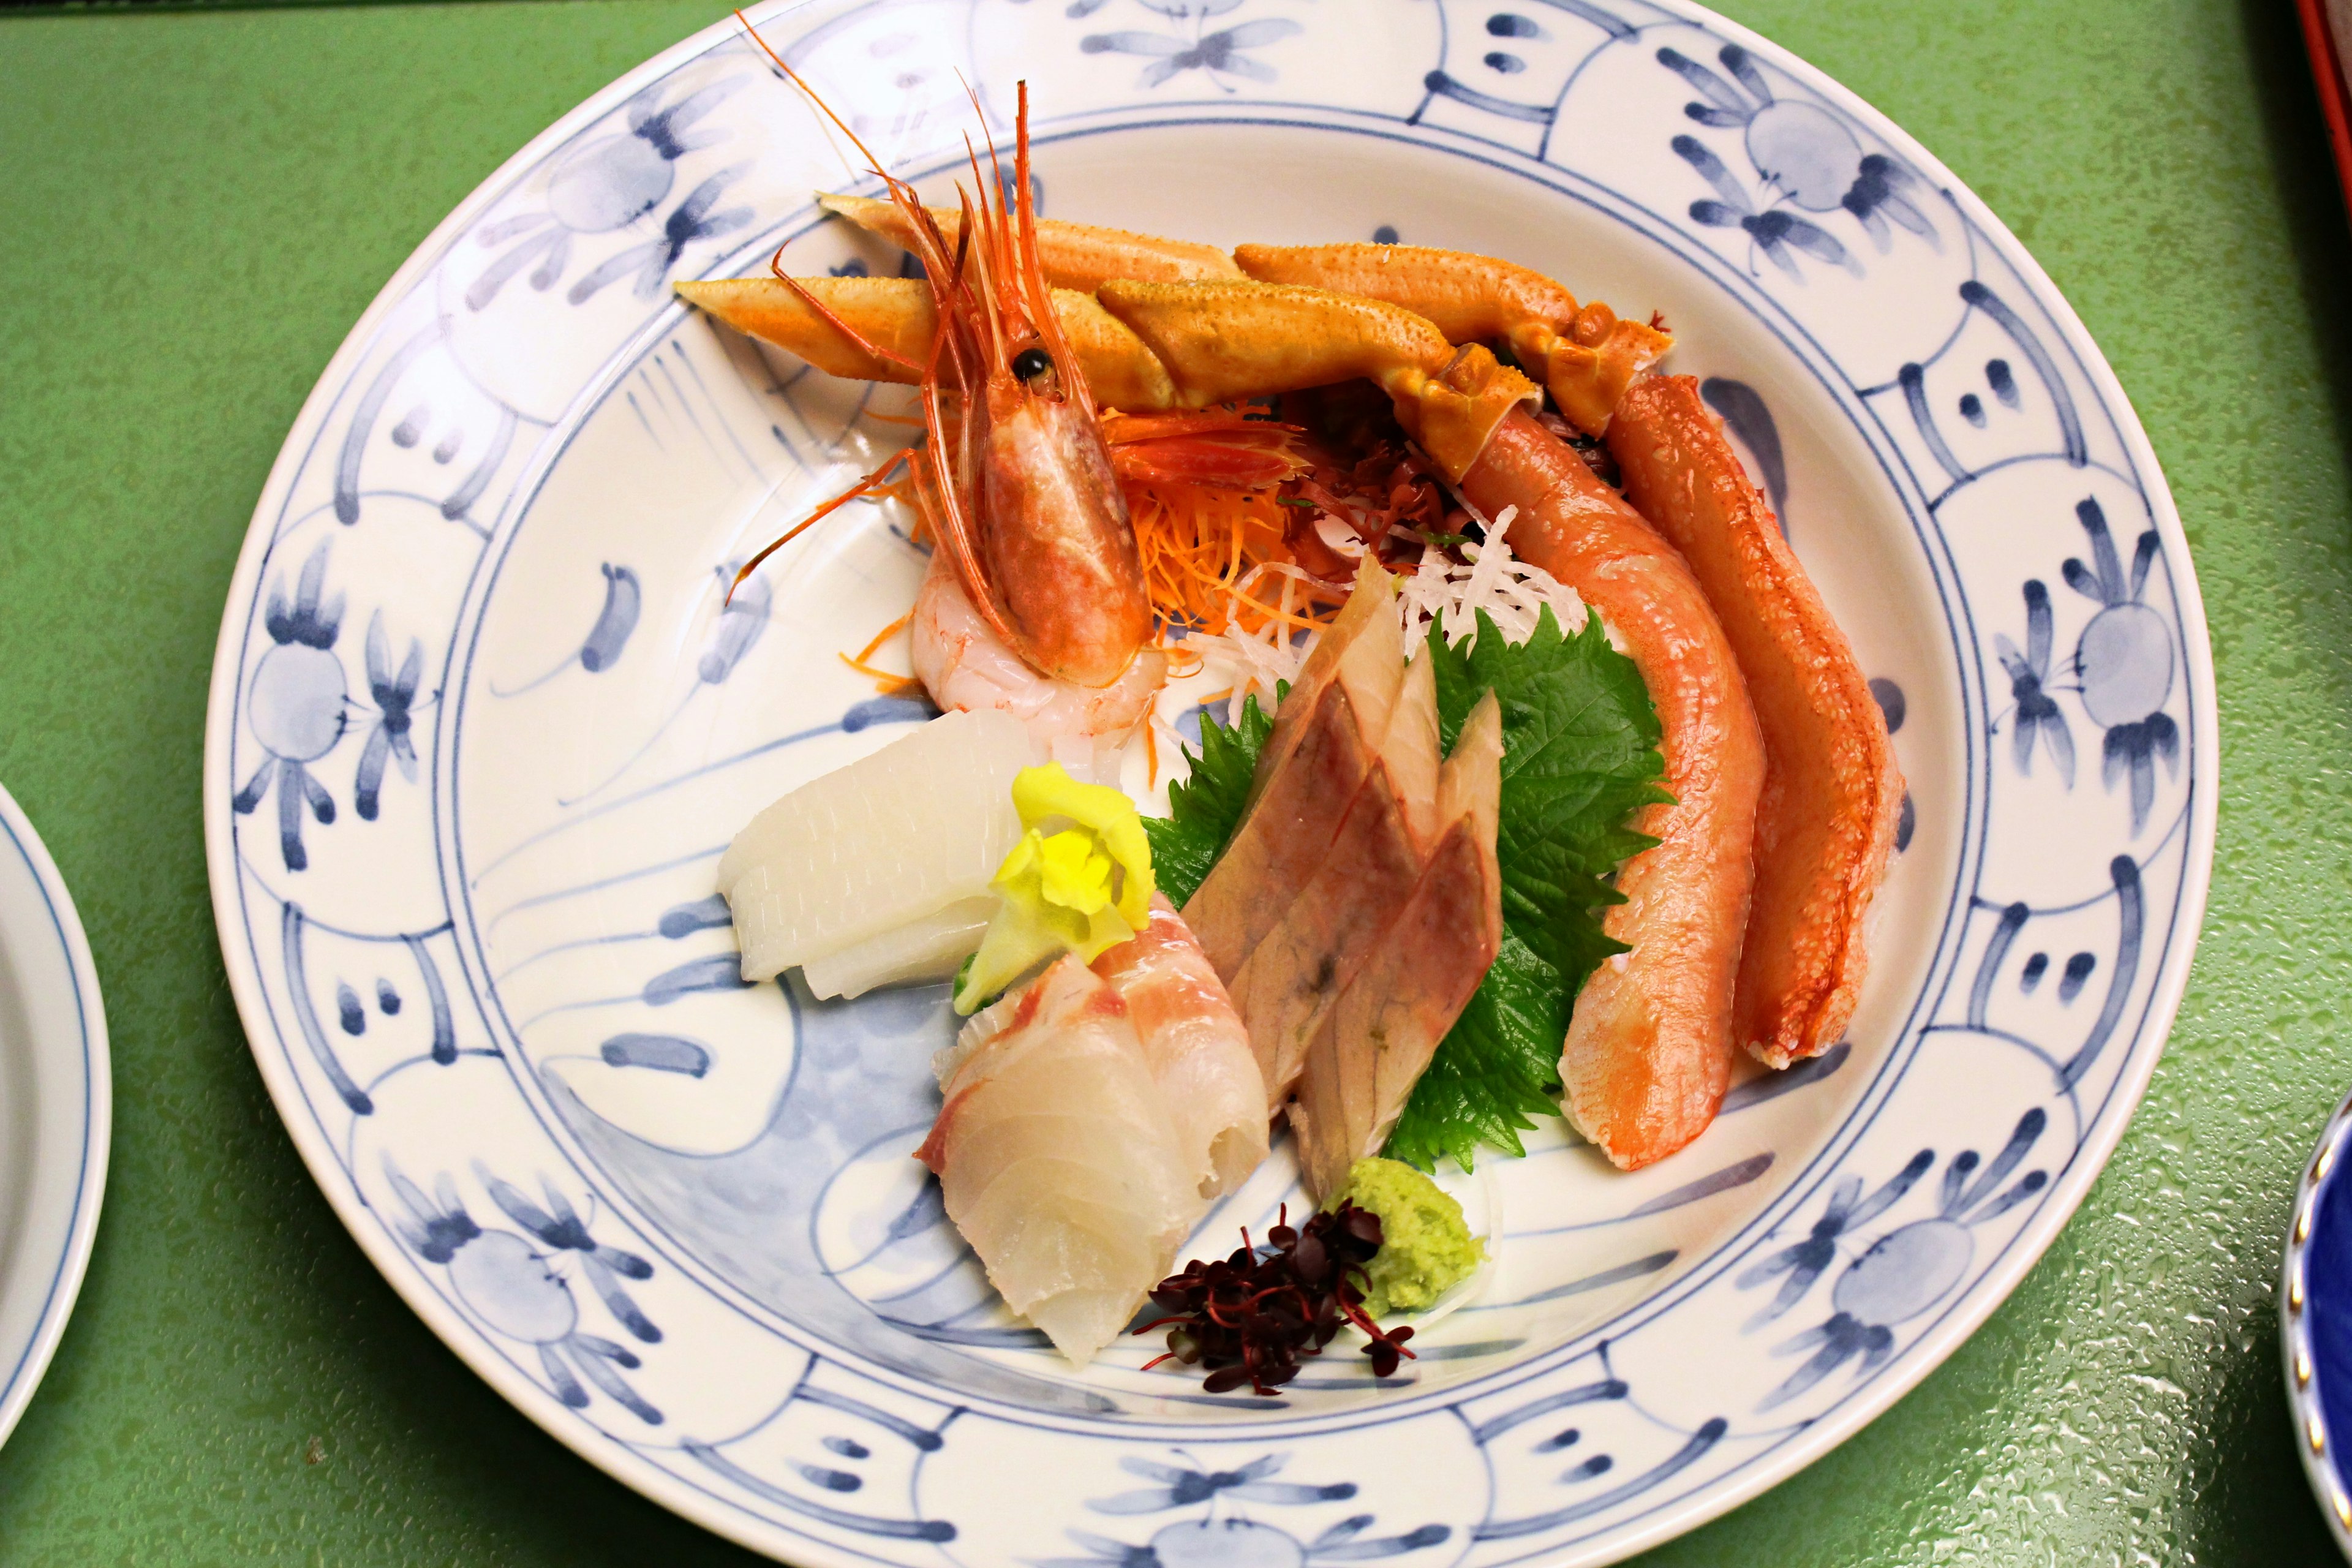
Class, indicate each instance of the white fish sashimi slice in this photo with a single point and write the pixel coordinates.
(931, 948)
(1056, 1160)
(1200, 1053)
(921, 824)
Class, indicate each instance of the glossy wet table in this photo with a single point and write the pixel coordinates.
(196, 205)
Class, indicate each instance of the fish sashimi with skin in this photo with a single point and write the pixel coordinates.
(1379, 1035)
(1408, 749)
(1283, 840)
(1374, 594)
(1329, 727)
(1293, 976)
(1649, 1048)
(1057, 1160)
(1199, 1052)
(1832, 795)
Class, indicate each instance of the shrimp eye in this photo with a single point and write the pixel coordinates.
(1030, 363)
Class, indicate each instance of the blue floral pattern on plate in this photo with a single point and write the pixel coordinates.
(484, 716)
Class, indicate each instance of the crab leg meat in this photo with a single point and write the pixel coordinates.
(1825, 824)
(1584, 353)
(1074, 255)
(1649, 1049)
(1165, 346)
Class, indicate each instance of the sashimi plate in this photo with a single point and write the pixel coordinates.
(480, 726)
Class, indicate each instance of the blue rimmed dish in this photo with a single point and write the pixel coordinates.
(482, 720)
(55, 1108)
(2315, 1325)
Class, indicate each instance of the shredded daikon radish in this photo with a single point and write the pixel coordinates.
(1258, 660)
(1247, 660)
(1449, 595)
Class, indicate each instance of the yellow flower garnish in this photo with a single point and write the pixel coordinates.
(1079, 881)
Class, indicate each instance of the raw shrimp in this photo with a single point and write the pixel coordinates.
(964, 664)
(1648, 1047)
(1012, 477)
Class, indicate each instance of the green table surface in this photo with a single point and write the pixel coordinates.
(196, 205)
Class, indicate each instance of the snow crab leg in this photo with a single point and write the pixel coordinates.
(1585, 354)
(1151, 347)
(1648, 1047)
(1825, 824)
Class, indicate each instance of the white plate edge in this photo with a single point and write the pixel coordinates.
(97, 1121)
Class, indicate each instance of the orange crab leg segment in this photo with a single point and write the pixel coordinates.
(1074, 255)
(1649, 1048)
(1832, 795)
(1584, 354)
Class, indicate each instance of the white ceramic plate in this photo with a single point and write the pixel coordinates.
(479, 729)
(56, 1104)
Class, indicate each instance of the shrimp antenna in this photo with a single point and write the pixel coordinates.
(862, 487)
(798, 81)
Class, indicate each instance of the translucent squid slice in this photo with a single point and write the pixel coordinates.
(930, 949)
(891, 839)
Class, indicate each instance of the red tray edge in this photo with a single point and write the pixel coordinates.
(2335, 98)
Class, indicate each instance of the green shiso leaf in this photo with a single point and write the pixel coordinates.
(1579, 758)
(1203, 812)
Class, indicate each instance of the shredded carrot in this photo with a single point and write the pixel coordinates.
(884, 635)
(1204, 555)
(888, 684)
(884, 681)
(1201, 487)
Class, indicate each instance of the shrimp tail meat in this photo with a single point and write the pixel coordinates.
(966, 666)
(1649, 1048)
(1825, 823)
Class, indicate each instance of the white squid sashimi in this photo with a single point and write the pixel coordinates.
(930, 949)
(891, 839)
(1057, 1159)
(1200, 1053)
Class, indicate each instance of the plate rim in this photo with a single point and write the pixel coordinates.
(1671, 1516)
(23, 1379)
